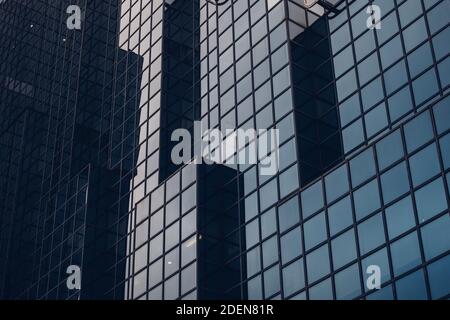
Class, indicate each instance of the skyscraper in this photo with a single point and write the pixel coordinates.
(357, 89)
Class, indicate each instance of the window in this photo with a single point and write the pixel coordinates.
(400, 217)
(268, 223)
(271, 281)
(362, 167)
(441, 115)
(353, 136)
(371, 234)
(418, 131)
(405, 253)
(293, 278)
(340, 215)
(349, 110)
(367, 199)
(412, 287)
(321, 291)
(382, 294)
(270, 251)
(376, 120)
(343, 249)
(379, 258)
(288, 180)
(436, 237)
(268, 194)
(318, 264)
(188, 279)
(424, 165)
(400, 104)
(336, 183)
(253, 262)
(445, 150)
(312, 199)
(420, 59)
(389, 150)
(394, 183)
(425, 86)
(315, 231)
(254, 288)
(395, 77)
(431, 200)
(288, 214)
(291, 245)
(438, 277)
(348, 284)
(252, 233)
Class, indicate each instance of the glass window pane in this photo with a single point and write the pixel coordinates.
(418, 131)
(424, 165)
(348, 284)
(321, 291)
(405, 253)
(343, 249)
(379, 259)
(400, 217)
(293, 278)
(270, 251)
(431, 200)
(376, 120)
(340, 215)
(400, 104)
(389, 150)
(367, 199)
(315, 231)
(268, 223)
(353, 136)
(362, 167)
(425, 86)
(318, 264)
(395, 183)
(438, 277)
(272, 281)
(336, 183)
(371, 234)
(412, 287)
(441, 115)
(288, 214)
(445, 150)
(382, 294)
(436, 237)
(291, 245)
(253, 262)
(312, 199)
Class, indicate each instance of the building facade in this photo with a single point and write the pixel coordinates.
(359, 94)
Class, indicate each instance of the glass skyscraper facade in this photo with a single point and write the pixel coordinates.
(86, 171)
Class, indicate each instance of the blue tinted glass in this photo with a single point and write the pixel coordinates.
(389, 150)
(340, 38)
(318, 263)
(340, 215)
(272, 281)
(408, 11)
(293, 278)
(315, 231)
(349, 110)
(425, 86)
(418, 131)
(291, 245)
(388, 29)
(376, 120)
(348, 285)
(438, 17)
(268, 194)
(405, 253)
(415, 34)
(343, 249)
(251, 206)
(252, 233)
(441, 115)
(346, 85)
(312, 199)
(343, 61)
(288, 181)
(391, 52)
(253, 262)
(395, 77)
(424, 165)
(382, 294)
(420, 59)
(367, 199)
(288, 214)
(443, 67)
(336, 183)
(368, 69)
(372, 93)
(270, 251)
(400, 217)
(395, 182)
(445, 150)
(353, 136)
(431, 200)
(436, 237)
(371, 234)
(362, 167)
(412, 287)
(268, 223)
(400, 104)
(364, 45)
(255, 288)
(379, 259)
(438, 277)
(321, 291)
